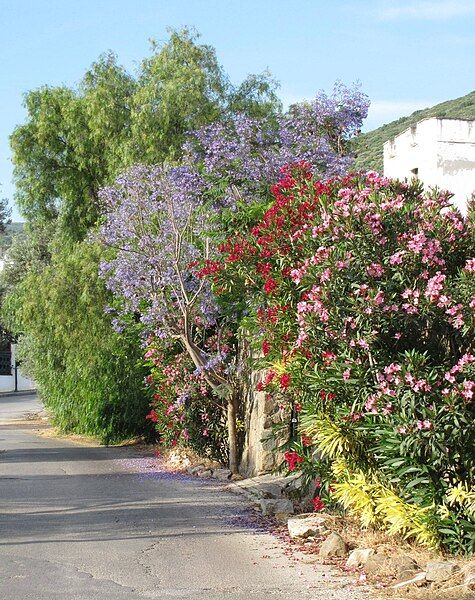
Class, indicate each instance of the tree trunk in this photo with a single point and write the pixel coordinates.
(232, 434)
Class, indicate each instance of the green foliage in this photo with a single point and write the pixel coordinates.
(70, 146)
(87, 375)
(181, 87)
(30, 250)
(368, 147)
(73, 143)
(6, 238)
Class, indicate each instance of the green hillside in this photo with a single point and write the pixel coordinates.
(369, 146)
(6, 238)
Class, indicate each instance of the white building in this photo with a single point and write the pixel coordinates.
(11, 377)
(440, 152)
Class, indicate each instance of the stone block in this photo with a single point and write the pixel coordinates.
(334, 545)
(272, 506)
(222, 474)
(307, 525)
(378, 563)
(404, 566)
(469, 581)
(418, 580)
(440, 570)
(359, 557)
(205, 474)
(196, 469)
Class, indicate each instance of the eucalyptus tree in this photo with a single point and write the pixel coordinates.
(76, 140)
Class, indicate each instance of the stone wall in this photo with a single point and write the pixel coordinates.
(260, 454)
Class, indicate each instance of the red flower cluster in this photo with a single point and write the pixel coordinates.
(293, 459)
(284, 381)
(153, 416)
(326, 395)
(211, 268)
(318, 504)
(270, 285)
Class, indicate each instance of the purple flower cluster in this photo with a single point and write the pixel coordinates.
(247, 154)
(155, 223)
(158, 218)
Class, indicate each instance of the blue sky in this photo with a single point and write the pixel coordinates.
(407, 54)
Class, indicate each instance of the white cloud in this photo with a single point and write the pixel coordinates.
(427, 9)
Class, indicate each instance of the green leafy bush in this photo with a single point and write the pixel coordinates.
(88, 376)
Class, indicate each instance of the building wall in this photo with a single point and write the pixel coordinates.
(7, 382)
(443, 153)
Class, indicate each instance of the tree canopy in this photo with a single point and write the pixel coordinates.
(76, 140)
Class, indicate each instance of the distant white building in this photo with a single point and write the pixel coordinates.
(439, 152)
(11, 377)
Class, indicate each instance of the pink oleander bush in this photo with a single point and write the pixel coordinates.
(361, 293)
(183, 409)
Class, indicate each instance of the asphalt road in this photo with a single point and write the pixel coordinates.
(17, 407)
(84, 523)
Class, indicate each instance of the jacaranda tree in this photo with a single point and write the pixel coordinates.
(164, 221)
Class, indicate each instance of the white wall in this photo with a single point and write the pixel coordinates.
(7, 382)
(443, 151)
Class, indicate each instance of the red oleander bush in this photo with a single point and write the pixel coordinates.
(361, 292)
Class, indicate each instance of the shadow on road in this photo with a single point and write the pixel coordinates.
(61, 454)
(78, 508)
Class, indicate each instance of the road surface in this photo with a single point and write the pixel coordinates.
(84, 523)
(19, 406)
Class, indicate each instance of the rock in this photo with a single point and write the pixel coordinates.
(295, 484)
(273, 506)
(268, 423)
(282, 517)
(469, 581)
(196, 469)
(404, 566)
(334, 545)
(268, 462)
(269, 490)
(179, 460)
(205, 474)
(236, 477)
(306, 525)
(359, 557)
(222, 474)
(377, 563)
(440, 570)
(418, 579)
